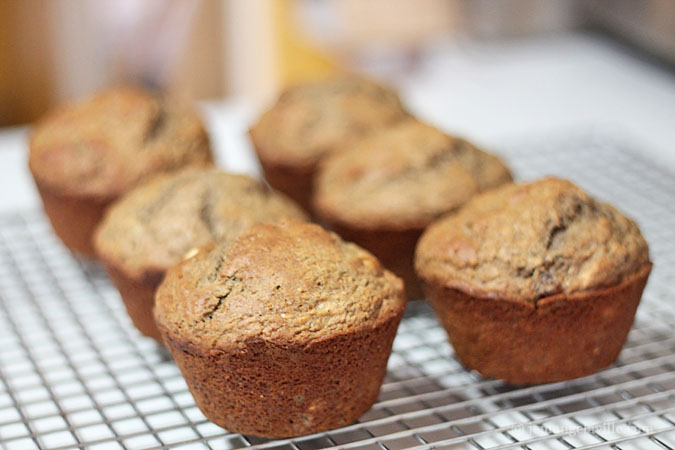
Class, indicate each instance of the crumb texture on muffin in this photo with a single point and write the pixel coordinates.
(102, 146)
(404, 176)
(289, 283)
(529, 241)
(152, 227)
(311, 119)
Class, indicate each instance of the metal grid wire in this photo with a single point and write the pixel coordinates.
(74, 373)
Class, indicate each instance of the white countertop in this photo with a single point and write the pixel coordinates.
(493, 93)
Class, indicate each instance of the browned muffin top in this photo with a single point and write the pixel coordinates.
(102, 146)
(312, 119)
(529, 241)
(404, 176)
(289, 283)
(153, 226)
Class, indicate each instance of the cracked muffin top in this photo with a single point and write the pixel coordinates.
(102, 146)
(529, 241)
(285, 283)
(152, 227)
(402, 177)
(313, 119)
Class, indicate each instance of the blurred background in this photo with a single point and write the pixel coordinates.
(54, 51)
(499, 72)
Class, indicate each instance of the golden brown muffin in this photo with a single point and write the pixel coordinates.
(85, 155)
(152, 228)
(535, 282)
(284, 332)
(311, 120)
(382, 191)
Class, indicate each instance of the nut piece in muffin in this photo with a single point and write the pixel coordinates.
(313, 119)
(535, 282)
(85, 155)
(284, 332)
(153, 227)
(382, 191)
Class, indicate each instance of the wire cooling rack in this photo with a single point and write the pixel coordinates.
(74, 373)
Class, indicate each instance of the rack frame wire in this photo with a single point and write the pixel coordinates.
(75, 374)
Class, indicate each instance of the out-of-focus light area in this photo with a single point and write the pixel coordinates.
(486, 69)
(53, 51)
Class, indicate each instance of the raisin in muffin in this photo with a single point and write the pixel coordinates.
(284, 332)
(313, 119)
(153, 227)
(382, 191)
(85, 155)
(535, 282)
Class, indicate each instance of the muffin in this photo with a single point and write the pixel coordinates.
(153, 227)
(382, 191)
(536, 282)
(85, 155)
(311, 120)
(284, 332)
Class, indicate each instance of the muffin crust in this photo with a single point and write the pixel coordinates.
(284, 332)
(535, 283)
(156, 224)
(403, 177)
(286, 283)
(382, 191)
(314, 119)
(530, 241)
(85, 155)
(104, 145)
